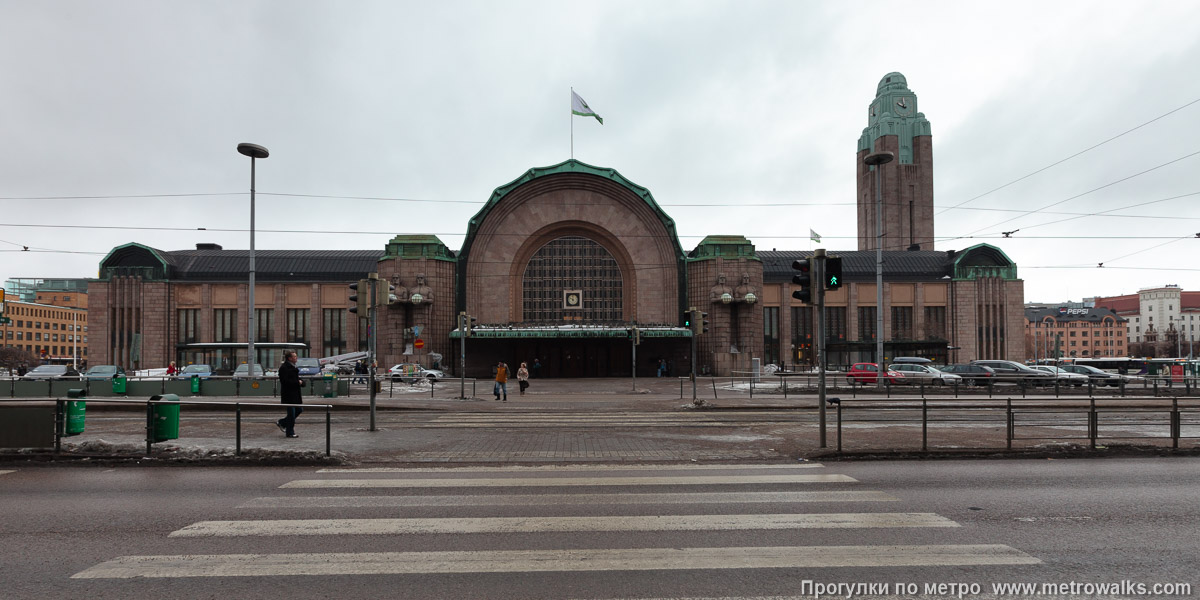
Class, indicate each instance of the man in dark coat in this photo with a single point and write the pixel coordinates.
(289, 393)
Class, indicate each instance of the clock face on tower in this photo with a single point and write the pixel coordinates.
(906, 106)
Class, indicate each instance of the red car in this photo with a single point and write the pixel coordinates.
(865, 373)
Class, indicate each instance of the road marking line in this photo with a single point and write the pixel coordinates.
(566, 481)
(281, 527)
(515, 561)
(6, 472)
(588, 468)
(563, 499)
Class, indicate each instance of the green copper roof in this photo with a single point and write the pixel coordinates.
(417, 246)
(134, 258)
(894, 112)
(984, 260)
(723, 246)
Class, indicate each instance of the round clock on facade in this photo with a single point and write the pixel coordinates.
(572, 298)
(906, 106)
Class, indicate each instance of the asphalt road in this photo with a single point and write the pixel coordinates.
(596, 531)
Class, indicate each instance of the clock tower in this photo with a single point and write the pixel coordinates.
(894, 125)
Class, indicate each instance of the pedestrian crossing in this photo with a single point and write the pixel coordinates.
(614, 518)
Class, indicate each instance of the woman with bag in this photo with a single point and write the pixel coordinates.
(523, 378)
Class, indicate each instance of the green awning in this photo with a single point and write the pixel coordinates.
(572, 332)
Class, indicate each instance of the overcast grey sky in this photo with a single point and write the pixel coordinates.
(729, 104)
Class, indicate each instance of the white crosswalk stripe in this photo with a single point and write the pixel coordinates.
(6, 472)
(544, 524)
(566, 499)
(405, 489)
(509, 561)
(565, 481)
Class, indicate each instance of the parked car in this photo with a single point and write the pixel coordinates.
(917, 374)
(102, 372)
(1099, 377)
(411, 373)
(866, 373)
(1015, 372)
(308, 367)
(1064, 377)
(243, 370)
(971, 374)
(51, 372)
(201, 371)
(911, 360)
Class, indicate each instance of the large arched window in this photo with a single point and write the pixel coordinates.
(572, 279)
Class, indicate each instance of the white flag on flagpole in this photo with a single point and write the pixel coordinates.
(581, 108)
(814, 236)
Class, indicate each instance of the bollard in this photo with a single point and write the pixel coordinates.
(839, 427)
(1010, 429)
(238, 412)
(924, 425)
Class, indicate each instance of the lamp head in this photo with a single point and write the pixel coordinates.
(879, 158)
(253, 150)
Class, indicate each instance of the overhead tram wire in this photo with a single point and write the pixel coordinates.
(1103, 213)
(1082, 194)
(1054, 164)
(502, 234)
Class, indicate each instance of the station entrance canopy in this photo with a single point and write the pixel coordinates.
(571, 332)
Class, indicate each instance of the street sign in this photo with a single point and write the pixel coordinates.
(416, 331)
(5, 320)
(419, 343)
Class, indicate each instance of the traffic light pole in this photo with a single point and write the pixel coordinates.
(462, 355)
(371, 343)
(633, 339)
(822, 362)
(692, 316)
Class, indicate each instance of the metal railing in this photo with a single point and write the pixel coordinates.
(19, 387)
(838, 382)
(60, 418)
(1092, 420)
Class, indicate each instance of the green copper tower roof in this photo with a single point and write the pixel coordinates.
(894, 112)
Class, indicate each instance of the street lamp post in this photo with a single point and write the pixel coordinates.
(254, 151)
(877, 160)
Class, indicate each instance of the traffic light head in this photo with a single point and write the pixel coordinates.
(383, 293)
(703, 319)
(833, 272)
(360, 296)
(803, 278)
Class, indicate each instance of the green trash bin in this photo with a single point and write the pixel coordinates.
(330, 381)
(76, 410)
(165, 418)
(195, 384)
(118, 383)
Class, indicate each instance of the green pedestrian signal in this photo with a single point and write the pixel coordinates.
(833, 272)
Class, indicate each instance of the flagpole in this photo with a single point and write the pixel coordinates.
(571, 115)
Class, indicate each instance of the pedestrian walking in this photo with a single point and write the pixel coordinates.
(289, 393)
(537, 369)
(501, 381)
(360, 369)
(523, 378)
(662, 367)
